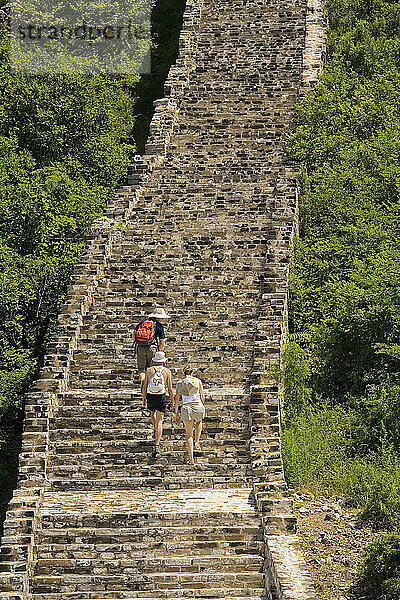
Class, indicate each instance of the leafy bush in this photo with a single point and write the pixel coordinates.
(62, 154)
(295, 377)
(379, 574)
(63, 150)
(319, 455)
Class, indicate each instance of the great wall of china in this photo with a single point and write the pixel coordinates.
(204, 227)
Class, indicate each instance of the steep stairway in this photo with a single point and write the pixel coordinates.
(113, 522)
(119, 524)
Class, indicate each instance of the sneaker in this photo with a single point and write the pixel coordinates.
(156, 452)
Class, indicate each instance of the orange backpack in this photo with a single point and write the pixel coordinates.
(145, 332)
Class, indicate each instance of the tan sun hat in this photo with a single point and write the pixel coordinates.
(159, 313)
(159, 357)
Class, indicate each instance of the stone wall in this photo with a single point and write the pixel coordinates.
(285, 564)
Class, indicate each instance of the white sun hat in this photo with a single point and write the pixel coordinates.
(159, 357)
(159, 313)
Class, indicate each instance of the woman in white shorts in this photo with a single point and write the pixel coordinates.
(191, 390)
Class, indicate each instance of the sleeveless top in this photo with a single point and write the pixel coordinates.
(189, 389)
(156, 384)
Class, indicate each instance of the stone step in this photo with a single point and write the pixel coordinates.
(132, 409)
(149, 548)
(80, 471)
(223, 394)
(121, 458)
(231, 374)
(171, 449)
(161, 483)
(231, 435)
(144, 519)
(198, 593)
(103, 358)
(243, 530)
(248, 582)
(178, 566)
(126, 422)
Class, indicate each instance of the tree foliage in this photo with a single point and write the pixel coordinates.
(342, 428)
(63, 151)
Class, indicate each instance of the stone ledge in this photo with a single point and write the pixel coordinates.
(291, 580)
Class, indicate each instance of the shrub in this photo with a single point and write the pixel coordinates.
(295, 378)
(379, 573)
(319, 455)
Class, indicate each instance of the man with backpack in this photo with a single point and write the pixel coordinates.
(149, 337)
(157, 382)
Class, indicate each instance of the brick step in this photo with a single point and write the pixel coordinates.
(150, 549)
(150, 582)
(148, 274)
(222, 367)
(120, 360)
(132, 298)
(178, 335)
(146, 518)
(222, 394)
(126, 421)
(101, 457)
(145, 435)
(226, 375)
(116, 322)
(199, 593)
(110, 370)
(162, 483)
(185, 255)
(80, 471)
(117, 296)
(124, 310)
(163, 531)
(225, 338)
(127, 263)
(169, 565)
(129, 448)
(133, 409)
(125, 418)
(130, 404)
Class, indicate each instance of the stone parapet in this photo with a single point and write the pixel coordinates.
(314, 45)
(166, 113)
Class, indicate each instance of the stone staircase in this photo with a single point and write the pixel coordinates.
(116, 523)
(204, 229)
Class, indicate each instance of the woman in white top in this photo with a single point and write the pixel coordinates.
(191, 390)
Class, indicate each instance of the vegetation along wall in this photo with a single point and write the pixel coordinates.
(342, 388)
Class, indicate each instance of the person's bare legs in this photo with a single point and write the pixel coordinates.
(189, 439)
(153, 421)
(158, 426)
(198, 426)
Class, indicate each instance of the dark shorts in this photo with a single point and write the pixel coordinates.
(157, 402)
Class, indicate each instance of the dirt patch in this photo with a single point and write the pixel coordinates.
(332, 540)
